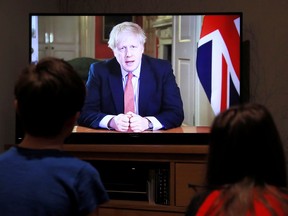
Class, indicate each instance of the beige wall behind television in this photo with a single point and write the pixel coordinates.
(265, 25)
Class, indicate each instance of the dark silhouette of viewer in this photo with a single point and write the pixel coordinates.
(246, 173)
(37, 176)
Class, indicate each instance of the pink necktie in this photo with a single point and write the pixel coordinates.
(129, 95)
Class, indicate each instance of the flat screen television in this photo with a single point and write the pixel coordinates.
(205, 50)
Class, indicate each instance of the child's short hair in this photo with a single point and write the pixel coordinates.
(47, 94)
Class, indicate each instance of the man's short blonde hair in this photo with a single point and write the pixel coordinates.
(128, 27)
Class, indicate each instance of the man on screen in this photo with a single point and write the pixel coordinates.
(156, 101)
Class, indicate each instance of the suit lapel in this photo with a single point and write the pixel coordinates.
(115, 81)
(146, 77)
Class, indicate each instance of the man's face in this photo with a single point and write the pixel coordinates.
(128, 51)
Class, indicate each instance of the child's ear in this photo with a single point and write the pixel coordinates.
(16, 105)
(70, 123)
(73, 119)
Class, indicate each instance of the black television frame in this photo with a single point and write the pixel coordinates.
(152, 137)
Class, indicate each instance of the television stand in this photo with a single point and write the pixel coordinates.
(147, 167)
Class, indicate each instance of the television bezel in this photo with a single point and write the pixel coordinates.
(197, 138)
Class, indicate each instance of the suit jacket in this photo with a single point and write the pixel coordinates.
(159, 95)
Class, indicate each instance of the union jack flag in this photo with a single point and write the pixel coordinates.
(218, 60)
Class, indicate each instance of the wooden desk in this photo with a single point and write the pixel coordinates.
(183, 129)
(186, 163)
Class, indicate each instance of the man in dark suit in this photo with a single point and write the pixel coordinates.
(157, 99)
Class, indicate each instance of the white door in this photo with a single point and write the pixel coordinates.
(59, 36)
(186, 33)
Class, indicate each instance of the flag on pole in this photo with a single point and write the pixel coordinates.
(218, 60)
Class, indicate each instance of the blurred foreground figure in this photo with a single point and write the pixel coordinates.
(37, 177)
(246, 172)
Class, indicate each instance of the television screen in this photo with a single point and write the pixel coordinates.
(204, 50)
